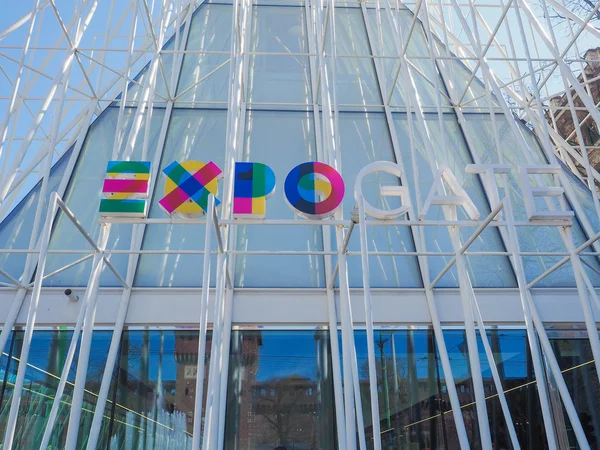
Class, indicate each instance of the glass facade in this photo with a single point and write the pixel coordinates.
(283, 126)
(282, 83)
(280, 389)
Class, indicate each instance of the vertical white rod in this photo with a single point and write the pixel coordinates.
(465, 285)
(64, 375)
(91, 299)
(228, 314)
(197, 429)
(584, 298)
(11, 318)
(366, 275)
(540, 375)
(17, 82)
(514, 440)
(133, 259)
(12, 172)
(214, 380)
(31, 316)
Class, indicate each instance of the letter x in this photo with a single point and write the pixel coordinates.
(191, 186)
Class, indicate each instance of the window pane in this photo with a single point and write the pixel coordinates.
(280, 391)
(414, 406)
(532, 239)
(192, 135)
(205, 76)
(574, 355)
(276, 78)
(420, 167)
(45, 364)
(365, 138)
(356, 81)
(17, 228)
(282, 141)
(87, 177)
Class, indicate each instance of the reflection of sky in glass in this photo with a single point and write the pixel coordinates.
(512, 355)
(287, 353)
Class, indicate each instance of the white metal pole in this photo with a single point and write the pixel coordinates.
(465, 287)
(197, 428)
(31, 317)
(91, 298)
(366, 276)
(584, 297)
(228, 315)
(137, 239)
(514, 440)
(64, 375)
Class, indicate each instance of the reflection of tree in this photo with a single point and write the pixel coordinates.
(281, 405)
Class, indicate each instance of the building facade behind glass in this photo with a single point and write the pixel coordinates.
(463, 330)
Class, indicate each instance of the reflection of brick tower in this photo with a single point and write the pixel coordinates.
(244, 379)
(186, 356)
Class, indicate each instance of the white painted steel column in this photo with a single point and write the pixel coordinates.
(31, 317)
(214, 432)
(228, 315)
(46, 104)
(324, 138)
(514, 440)
(137, 239)
(584, 297)
(466, 291)
(203, 323)
(213, 391)
(64, 374)
(91, 298)
(532, 337)
(352, 398)
(366, 276)
(17, 82)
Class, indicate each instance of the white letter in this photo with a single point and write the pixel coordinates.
(398, 191)
(529, 192)
(488, 178)
(460, 197)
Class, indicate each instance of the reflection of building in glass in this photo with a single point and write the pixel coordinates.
(563, 121)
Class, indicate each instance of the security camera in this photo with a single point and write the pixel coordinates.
(72, 297)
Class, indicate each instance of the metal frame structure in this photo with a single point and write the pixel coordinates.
(37, 128)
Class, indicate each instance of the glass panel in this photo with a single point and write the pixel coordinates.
(192, 135)
(164, 76)
(204, 76)
(280, 392)
(532, 239)
(365, 138)
(83, 196)
(156, 389)
(355, 77)
(46, 360)
(574, 355)
(265, 131)
(414, 406)
(484, 271)
(423, 73)
(276, 78)
(16, 229)
(456, 75)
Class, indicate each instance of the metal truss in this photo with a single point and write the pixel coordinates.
(61, 69)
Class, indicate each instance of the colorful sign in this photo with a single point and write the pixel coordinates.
(188, 186)
(125, 189)
(314, 189)
(254, 183)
